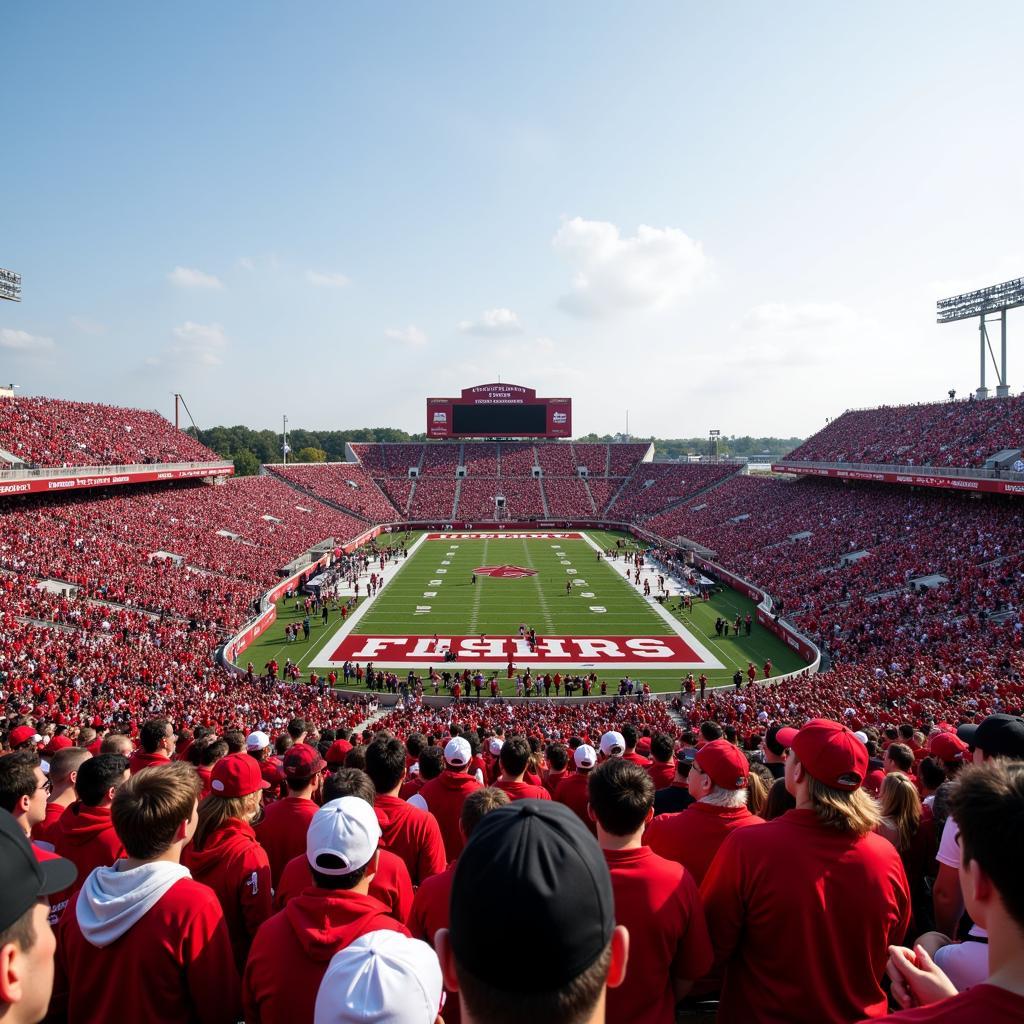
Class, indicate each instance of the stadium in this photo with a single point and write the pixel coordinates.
(493, 712)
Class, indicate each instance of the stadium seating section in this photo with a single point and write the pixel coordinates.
(940, 434)
(48, 432)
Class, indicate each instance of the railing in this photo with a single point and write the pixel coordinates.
(961, 472)
(24, 473)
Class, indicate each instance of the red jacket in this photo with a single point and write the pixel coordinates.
(692, 837)
(174, 965)
(390, 884)
(236, 868)
(443, 797)
(140, 759)
(522, 790)
(282, 832)
(662, 774)
(46, 830)
(412, 834)
(429, 915)
(786, 903)
(86, 837)
(292, 949)
(572, 791)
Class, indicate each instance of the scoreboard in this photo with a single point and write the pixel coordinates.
(499, 410)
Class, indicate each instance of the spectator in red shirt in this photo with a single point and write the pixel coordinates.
(443, 796)
(660, 768)
(292, 949)
(390, 884)
(572, 790)
(23, 789)
(224, 853)
(554, 883)
(27, 943)
(655, 899)
(718, 784)
(408, 831)
(86, 834)
(820, 877)
(433, 897)
(558, 766)
(282, 832)
(631, 739)
(157, 738)
(515, 759)
(143, 933)
(63, 775)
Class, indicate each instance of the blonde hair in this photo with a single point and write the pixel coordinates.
(215, 810)
(844, 810)
(900, 807)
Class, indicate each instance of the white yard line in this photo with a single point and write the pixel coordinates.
(478, 591)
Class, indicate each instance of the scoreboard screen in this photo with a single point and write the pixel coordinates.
(499, 410)
(494, 420)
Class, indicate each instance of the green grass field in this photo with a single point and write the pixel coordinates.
(433, 593)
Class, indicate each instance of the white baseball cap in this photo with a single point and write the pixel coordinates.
(346, 829)
(382, 977)
(257, 740)
(495, 746)
(585, 756)
(458, 752)
(613, 744)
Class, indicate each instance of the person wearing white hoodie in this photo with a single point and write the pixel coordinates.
(143, 934)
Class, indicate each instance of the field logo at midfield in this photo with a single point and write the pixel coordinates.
(504, 572)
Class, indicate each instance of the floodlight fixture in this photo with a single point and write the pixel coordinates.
(986, 304)
(10, 285)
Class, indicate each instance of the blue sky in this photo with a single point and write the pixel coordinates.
(734, 217)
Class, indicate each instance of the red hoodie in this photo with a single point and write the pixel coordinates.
(140, 759)
(572, 791)
(444, 797)
(412, 834)
(46, 830)
(236, 868)
(87, 838)
(282, 832)
(391, 884)
(292, 949)
(522, 790)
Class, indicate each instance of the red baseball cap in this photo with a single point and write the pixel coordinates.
(22, 734)
(302, 762)
(829, 751)
(337, 752)
(58, 743)
(947, 746)
(237, 775)
(724, 763)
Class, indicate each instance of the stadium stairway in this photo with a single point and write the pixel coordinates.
(458, 495)
(544, 499)
(590, 496)
(412, 495)
(306, 492)
(618, 493)
(681, 501)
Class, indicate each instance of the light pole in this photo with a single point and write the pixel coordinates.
(284, 439)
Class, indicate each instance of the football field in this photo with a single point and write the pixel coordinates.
(586, 616)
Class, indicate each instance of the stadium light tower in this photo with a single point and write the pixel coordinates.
(10, 285)
(985, 304)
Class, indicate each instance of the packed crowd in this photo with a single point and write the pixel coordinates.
(963, 433)
(51, 432)
(305, 873)
(342, 483)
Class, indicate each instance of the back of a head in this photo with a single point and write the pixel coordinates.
(515, 755)
(117, 743)
(296, 729)
(349, 782)
(385, 763)
(478, 805)
(558, 757)
(901, 756)
(987, 803)
(96, 776)
(662, 747)
(710, 731)
(150, 807)
(629, 734)
(621, 796)
(67, 761)
(152, 733)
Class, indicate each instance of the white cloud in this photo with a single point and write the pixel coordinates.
(493, 323)
(320, 279)
(194, 345)
(189, 277)
(22, 341)
(651, 270)
(87, 326)
(410, 335)
(781, 317)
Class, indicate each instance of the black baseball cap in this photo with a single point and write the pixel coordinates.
(997, 735)
(540, 860)
(23, 878)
